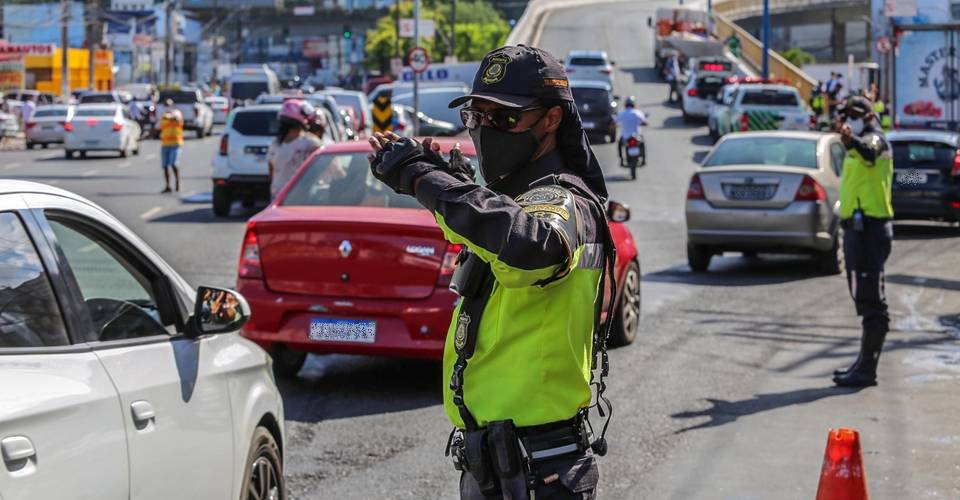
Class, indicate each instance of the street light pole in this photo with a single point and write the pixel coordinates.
(168, 44)
(766, 38)
(64, 49)
(416, 75)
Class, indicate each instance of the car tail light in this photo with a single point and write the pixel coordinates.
(449, 264)
(692, 92)
(30, 125)
(117, 126)
(250, 266)
(744, 122)
(695, 190)
(606, 70)
(224, 144)
(632, 142)
(813, 122)
(67, 127)
(810, 190)
(225, 109)
(91, 122)
(955, 171)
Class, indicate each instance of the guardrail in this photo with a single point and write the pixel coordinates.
(751, 50)
(738, 9)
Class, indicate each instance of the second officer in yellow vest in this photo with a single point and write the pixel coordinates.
(865, 213)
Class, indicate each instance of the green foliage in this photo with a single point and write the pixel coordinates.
(479, 29)
(798, 57)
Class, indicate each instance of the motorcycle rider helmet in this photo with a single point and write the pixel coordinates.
(296, 110)
(631, 102)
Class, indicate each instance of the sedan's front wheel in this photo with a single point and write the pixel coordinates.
(263, 475)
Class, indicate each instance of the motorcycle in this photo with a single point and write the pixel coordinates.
(636, 153)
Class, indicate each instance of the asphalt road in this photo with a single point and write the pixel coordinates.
(725, 395)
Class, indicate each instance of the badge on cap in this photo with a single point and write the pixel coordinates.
(496, 69)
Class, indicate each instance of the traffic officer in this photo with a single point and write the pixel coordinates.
(865, 213)
(519, 355)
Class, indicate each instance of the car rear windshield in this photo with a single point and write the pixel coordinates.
(95, 112)
(769, 98)
(97, 99)
(248, 90)
(256, 122)
(922, 154)
(179, 97)
(774, 151)
(587, 61)
(596, 98)
(50, 112)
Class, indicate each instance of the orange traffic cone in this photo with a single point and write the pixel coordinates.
(842, 476)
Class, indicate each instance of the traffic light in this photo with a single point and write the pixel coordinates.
(347, 33)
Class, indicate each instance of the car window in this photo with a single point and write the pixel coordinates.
(248, 90)
(770, 98)
(95, 112)
(587, 61)
(837, 154)
(775, 151)
(97, 99)
(29, 313)
(178, 97)
(922, 154)
(256, 122)
(50, 112)
(595, 98)
(118, 297)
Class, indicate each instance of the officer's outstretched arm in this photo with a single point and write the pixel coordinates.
(870, 146)
(530, 241)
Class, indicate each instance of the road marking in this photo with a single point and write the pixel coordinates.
(151, 156)
(124, 164)
(150, 213)
(89, 173)
(12, 165)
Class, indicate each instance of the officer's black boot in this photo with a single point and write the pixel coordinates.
(844, 371)
(864, 372)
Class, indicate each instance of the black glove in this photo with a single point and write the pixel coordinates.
(399, 164)
(458, 165)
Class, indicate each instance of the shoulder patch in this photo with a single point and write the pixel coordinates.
(544, 200)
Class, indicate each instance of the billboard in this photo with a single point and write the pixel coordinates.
(927, 77)
(11, 71)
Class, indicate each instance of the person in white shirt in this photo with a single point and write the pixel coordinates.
(631, 121)
(27, 109)
(293, 144)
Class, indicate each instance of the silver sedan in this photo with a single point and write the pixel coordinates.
(771, 192)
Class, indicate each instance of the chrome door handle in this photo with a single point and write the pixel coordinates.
(17, 448)
(142, 411)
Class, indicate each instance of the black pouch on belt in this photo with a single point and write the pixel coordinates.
(478, 461)
(508, 464)
(469, 276)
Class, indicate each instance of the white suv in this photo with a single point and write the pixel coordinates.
(240, 170)
(590, 65)
(118, 381)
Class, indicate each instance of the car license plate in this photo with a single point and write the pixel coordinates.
(48, 127)
(92, 142)
(633, 151)
(589, 125)
(750, 192)
(343, 330)
(911, 177)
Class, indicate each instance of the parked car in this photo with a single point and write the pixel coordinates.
(117, 377)
(590, 65)
(197, 116)
(339, 246)
(46, 126)
(597, 107)
(771, 192)
(101, 127)
(766, 107)
(220, 107)
(926, 174)
(240, 170)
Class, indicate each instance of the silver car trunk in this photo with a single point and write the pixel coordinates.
(752, 186)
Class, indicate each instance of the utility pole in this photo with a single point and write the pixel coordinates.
(453, 29)
(91, 36)
(216, 38)
(64, 49)
(416, 75)
(168, 44)
(397, 44)
(766, 38)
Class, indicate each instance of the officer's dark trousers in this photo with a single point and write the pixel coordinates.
(866, 253)
(577, 478)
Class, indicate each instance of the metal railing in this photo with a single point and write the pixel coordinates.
(751, 51)
(738, 9)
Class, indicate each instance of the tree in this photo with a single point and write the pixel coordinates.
(798, 57)
(479, 29)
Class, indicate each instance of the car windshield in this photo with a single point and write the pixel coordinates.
(256, 122)
(922, 154)
(770, 98)
(595, 98)
(344, 179)
(95, 112)
(774, 151)
(179, 97)
(434, 103)
(50, 112)
(348, 101)
(248, 90)
(587, 61)
(97, 99)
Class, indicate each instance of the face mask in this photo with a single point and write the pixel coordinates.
(856, 125)
(500, 152)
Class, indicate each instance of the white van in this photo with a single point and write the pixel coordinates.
(246, 83)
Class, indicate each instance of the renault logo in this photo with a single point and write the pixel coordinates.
(345, 248)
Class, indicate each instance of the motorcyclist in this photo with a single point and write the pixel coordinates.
(631, 120)
(292, 145)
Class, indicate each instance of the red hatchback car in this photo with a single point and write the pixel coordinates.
(339, 263)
